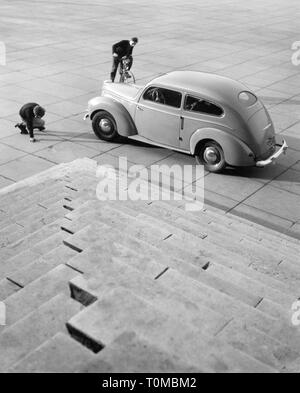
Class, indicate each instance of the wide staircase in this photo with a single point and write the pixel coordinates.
(94, 286)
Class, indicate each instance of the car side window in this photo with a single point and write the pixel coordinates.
(163, 96)
(194, 104)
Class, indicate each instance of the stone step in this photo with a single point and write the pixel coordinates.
(50, 243)
(224, 219)
(30, 241)
(94, 286)
(98, 326)
(60, 354)
(276, 310)
(20, 261)
(253, 286)
(114, 243)
(242, 275)
(271, 245)
(35, 218)
(214, 232)
(258, 345)
(254, 228)
(34, 199)
(38, 292)
(106, 251)
(85, 214)
(131, 354)
(293, 367)
(17, 195)
(279, 329)
(42, 265)
(91, 234)
(192, 230)
(9, 235)
(270, 265)
(18, 340)
(80, 218)
(233, 223)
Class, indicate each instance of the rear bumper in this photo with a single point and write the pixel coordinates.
(270, 160)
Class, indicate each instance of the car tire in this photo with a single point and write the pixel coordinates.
(211, 155)
(104, 126)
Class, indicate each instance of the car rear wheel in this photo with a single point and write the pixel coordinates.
(211, 155)
(104, 126)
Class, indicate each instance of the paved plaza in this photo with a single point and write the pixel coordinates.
(58, 53)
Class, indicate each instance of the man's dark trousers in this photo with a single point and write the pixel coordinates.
(115, 65)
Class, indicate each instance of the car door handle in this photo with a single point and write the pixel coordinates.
(182, 122)
(139, 108)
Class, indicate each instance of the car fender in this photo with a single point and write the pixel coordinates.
(236, 152)
(125, 123)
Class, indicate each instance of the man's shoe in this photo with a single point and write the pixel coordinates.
(42, 128)
(32, 140)
(22, 127)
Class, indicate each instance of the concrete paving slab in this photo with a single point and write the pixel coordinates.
(22, 95)
(8, 154)
(66, 108)
(65, 152)
(24, 167)
(91, 141)
(289, 181)
(262, 217)
(108, 159)
(8, 107)
(43, 85)
(67, 128)
(231, 186)
(277, 202)
(145, 154)
(21, 142)
(6, 128)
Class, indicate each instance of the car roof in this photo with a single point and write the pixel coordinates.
(212, 86)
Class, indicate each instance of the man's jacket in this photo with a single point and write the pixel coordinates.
(27, 114)
(122, 48)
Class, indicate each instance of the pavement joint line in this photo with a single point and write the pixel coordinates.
(261, 210)
(16, 159)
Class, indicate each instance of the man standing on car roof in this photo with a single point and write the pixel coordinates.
(120, 50)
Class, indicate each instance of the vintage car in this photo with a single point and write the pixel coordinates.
(216, 119)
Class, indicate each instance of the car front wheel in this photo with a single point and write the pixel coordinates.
(104, 126)
(211, 155)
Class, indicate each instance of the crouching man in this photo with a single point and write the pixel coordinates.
(31, 115)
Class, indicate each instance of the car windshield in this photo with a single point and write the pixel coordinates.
(247, 98)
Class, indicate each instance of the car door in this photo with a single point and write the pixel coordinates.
(197, 113)
(157, 115)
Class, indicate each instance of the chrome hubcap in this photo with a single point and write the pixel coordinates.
(211, 155)
(106, 125)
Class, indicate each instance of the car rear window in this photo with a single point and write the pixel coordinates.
(247, 98)
(194, 104)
